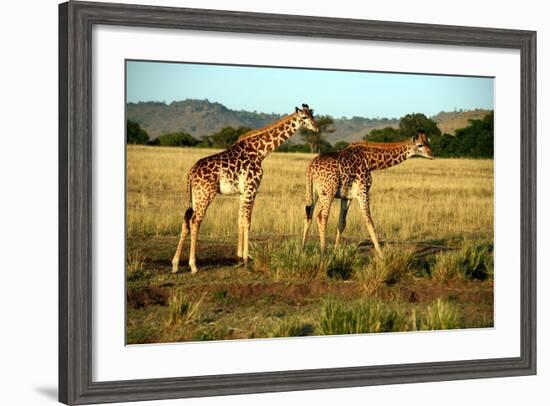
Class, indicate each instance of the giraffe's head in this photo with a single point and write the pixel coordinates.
(305, 118)
(421, 145)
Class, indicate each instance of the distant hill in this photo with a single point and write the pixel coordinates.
(449, 122)
(202, 117)
(353, 129)
(197, 117)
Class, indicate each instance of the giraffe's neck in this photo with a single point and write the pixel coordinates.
(265, 140)
(386, 155)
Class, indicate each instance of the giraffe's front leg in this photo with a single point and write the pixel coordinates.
(364, 203)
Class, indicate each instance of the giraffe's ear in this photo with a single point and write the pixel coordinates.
(297, 109)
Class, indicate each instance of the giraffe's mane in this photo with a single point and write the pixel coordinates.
(380, 145)
(255, 132)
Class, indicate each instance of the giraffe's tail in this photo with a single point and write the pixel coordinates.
(189, 212)
(310, 205)
(310, 202)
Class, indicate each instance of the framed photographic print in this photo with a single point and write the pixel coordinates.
(259, 202)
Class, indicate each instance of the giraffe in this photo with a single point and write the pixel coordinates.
(346, 175)
(237, 170)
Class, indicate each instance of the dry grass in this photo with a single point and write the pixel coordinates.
(434, 219)
(135, 264)
(182, 310)
(387, 269)
(445, 199)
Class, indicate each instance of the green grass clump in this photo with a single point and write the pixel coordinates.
(370, 316)
(213, 333)
(469, 263)
(440, 315)
(286, 260)
(384, 270)
(342, 262)
(376, 316)
(289, 261)
(182, 310)
(287, 327)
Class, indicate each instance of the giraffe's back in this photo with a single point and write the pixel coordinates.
(337, 173)
(227, 171)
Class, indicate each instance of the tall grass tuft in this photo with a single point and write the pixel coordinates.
(343, 262)
(290, 261)
(371, 316)
(135, 264)
(440, 315)
(287, 260)
(288, 327)
(386, 269)
(471, 262)
(489, 265)
(182, 310)
(260, 255)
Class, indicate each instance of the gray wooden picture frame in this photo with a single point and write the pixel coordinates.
(76, 20)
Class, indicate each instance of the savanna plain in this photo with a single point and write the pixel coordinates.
(434, 220)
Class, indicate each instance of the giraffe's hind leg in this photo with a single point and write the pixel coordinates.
(246, 205)
(240, 242)
(322, 218)
(307, 221)
(344, 207)
(183, 236)
(201, 200)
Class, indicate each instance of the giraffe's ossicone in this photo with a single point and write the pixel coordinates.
(237, 170)
(346, 175)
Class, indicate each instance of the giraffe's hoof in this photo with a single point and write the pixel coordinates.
(175, 268)
(194, 270)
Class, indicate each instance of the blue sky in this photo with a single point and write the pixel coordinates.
(278, 90)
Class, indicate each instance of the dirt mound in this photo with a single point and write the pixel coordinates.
(143, 297)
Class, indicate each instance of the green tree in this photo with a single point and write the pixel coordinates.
(340, 145)
(135, 134)
(292, 147)
(475, 141)
(441, 145)
(179, 139)
(410, 124)
(316, 140)
(224, 138)
(386, 134)
(324, 146)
